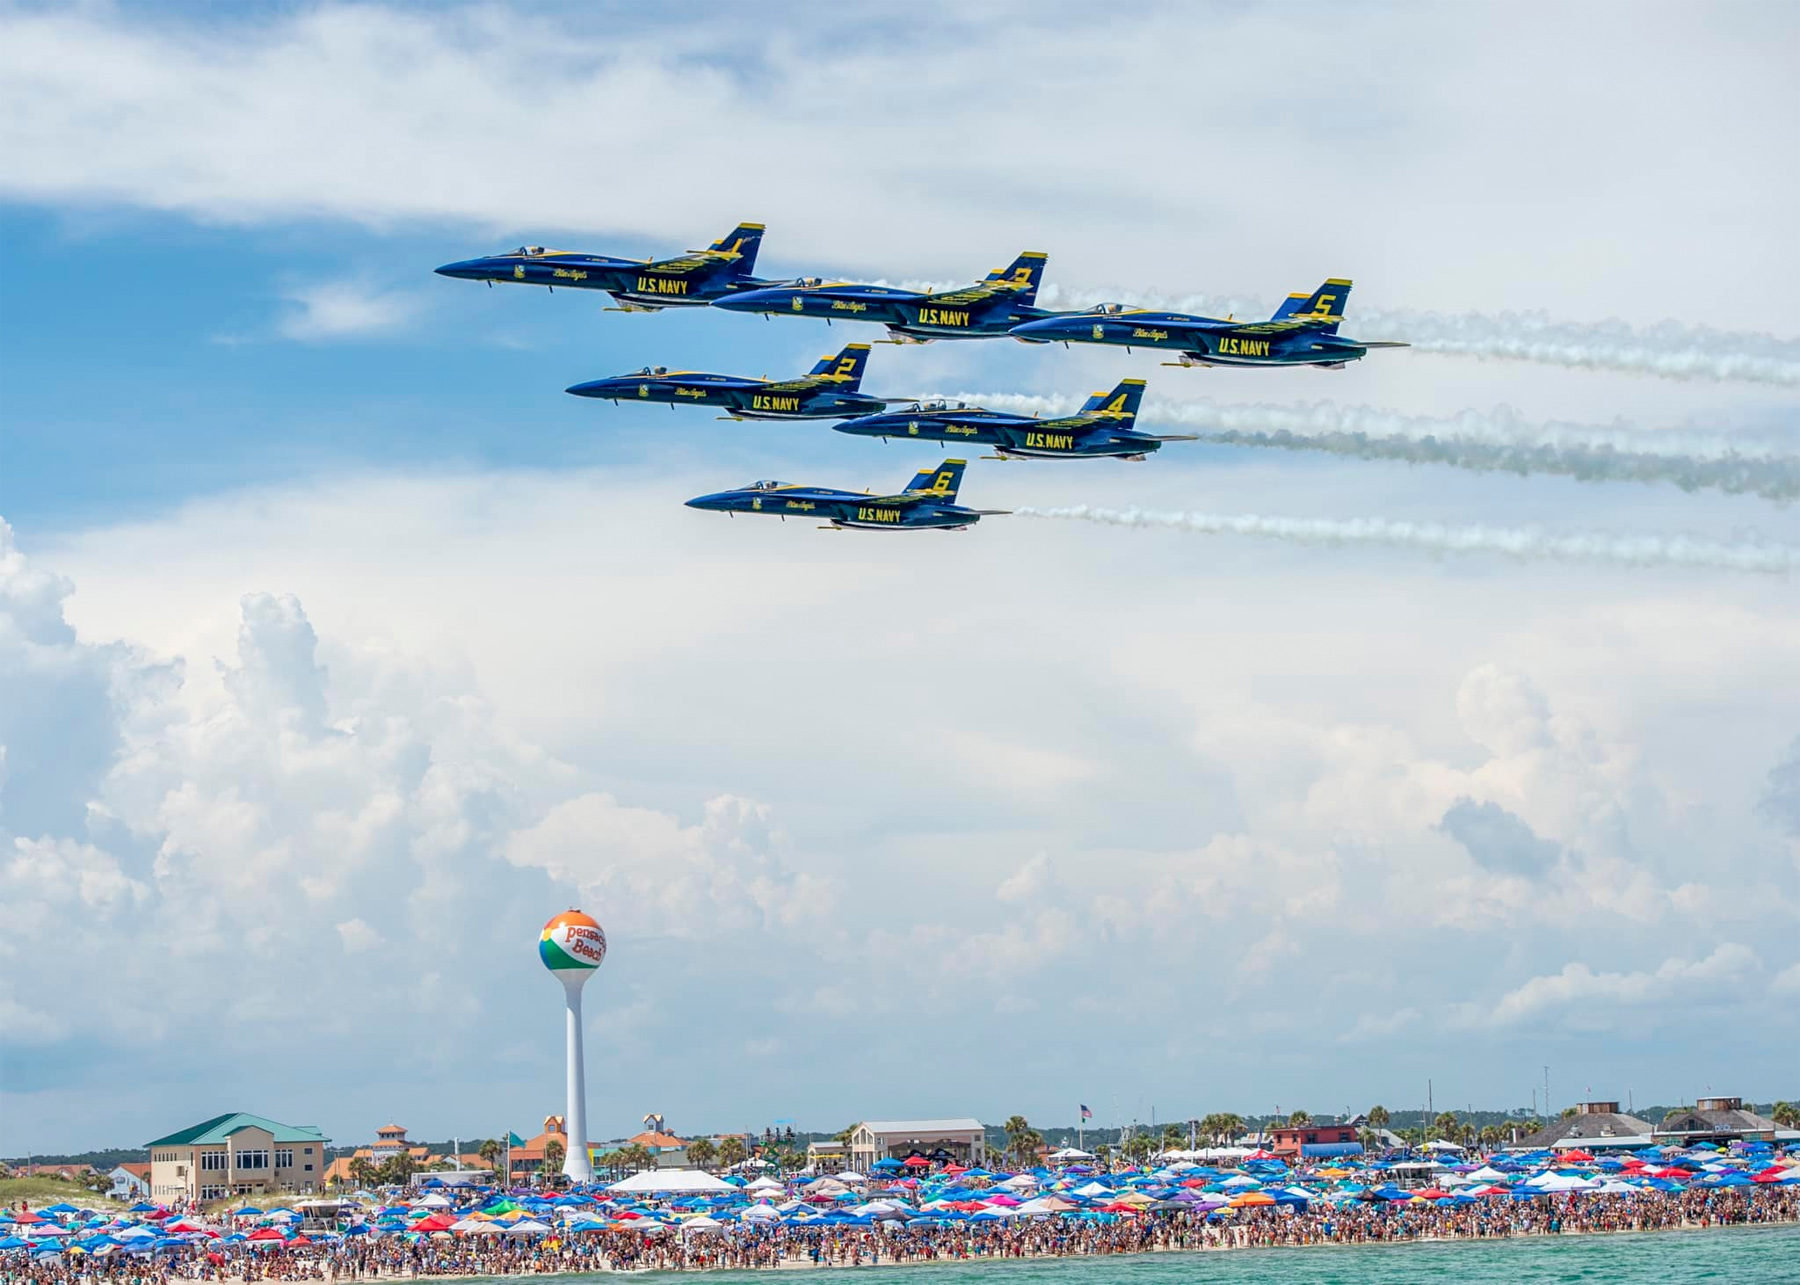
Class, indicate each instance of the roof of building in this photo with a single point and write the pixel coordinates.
(390, 1128)
(136, 1168)
(667, 1141)
(1589, 1126)
(1703, 1120)
(922, 1127)
(221, 1127)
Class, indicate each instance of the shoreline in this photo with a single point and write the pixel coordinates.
(805, 1263)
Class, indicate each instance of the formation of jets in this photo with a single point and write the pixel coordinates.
(1303, 332)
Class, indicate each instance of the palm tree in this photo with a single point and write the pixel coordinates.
(1172, 1137)
(1785, 1114)
(489, 1151)
(702, 1152)
(1445, 1124)
(553, 1157)
(731, 1152)
(362, 1171)
(1019, 1135)
(1379, 1117)
(1298, 1118)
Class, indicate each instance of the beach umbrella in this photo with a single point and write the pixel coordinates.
(1251, 1200)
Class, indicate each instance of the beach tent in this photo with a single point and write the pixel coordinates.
(668, 1182)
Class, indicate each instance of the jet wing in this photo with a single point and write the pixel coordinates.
(692, 259)
(980, 292)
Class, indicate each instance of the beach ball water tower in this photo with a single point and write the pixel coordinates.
(572, 946)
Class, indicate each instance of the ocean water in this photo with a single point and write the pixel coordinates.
(1752, 1255)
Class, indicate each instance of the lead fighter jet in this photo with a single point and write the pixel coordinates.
(691, 280)
(1102, 427)
(1303, 332)
(1003, 299)
(929, 501)
(828, 391)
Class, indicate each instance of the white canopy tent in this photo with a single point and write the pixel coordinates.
(670, 1182)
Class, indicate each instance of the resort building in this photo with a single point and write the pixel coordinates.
(237, 1154)
(669, 1151)
(1714, 1120)
(962, 1142)
(832, 1156)
(1593, 1126)
(1314, 1141)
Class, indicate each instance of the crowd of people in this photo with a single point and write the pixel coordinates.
(748, 1245)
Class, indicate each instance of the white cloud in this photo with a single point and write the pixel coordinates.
(1589, 998)
(346, 309)
(434, 114)
(404, 752)
(358, 937)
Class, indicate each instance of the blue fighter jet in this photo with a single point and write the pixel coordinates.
(692, 280)
(1303, 332)
(1102, 427)
(929, 500)
(828, 391)
(994, 305)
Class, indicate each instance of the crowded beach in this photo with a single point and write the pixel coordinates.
(754, 1217)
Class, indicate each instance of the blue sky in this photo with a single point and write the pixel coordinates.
(340, 648)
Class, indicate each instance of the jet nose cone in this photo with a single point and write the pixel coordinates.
(466, 269)
(862, 425)
(1038, 330)
(596, 388)
(748, 301)
(714, 501)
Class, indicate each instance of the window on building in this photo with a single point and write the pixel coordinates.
(307, 1151)
(253, 1160)
(210, 1160)
(284, 1159)
(309, 1168)
(213, 1193)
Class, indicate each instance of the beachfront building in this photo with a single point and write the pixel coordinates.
(962, 1141)
(669, 1151)
(829, 1156)
(236, 1154)
(130, 1182)
(1592, 1127)
(1714, 1120)
(1314, 1141)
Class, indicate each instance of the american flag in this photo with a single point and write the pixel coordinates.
(1085, 1113)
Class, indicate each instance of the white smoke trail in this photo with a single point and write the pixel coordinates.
(1667, 349)
(1494, 441)
(1524, 543)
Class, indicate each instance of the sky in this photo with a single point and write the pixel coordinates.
(1434, 719)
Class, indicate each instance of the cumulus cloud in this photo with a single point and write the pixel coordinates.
(1781, 796)
(398, 751)
(1499, 840)
(646, 869)
(1583, 997)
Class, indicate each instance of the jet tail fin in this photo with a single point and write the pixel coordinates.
(1324, 305)
(1025, 272)
(847, 365)
(940, 482)
(744, 240)
(1120, 405)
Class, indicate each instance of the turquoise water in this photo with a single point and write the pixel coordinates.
(1755, 1255)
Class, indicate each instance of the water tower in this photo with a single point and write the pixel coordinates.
(572, 946)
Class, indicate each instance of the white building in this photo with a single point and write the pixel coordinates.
(963, 1141)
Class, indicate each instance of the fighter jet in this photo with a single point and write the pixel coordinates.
(992, 306)
(929, 500)
(1303, 332)
(1102, 427)
(828, 391)
(691, 280)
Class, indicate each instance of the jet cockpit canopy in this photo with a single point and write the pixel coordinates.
(768, 484)
(1107, 309)
(534, 251)
(654, 371)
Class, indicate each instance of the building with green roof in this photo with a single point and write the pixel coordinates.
(237, 1154)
